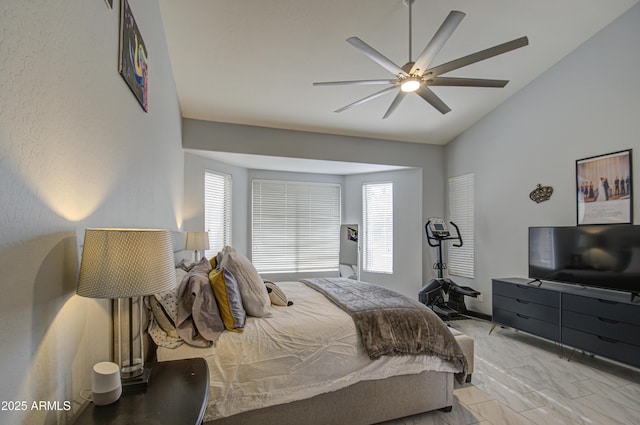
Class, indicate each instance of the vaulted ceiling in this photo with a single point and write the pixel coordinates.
(254, 61)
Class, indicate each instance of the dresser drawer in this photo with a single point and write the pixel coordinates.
(527, 308)
(528, 324)
(603, 346)
(527, 293)
(601, 326)
(606, 309)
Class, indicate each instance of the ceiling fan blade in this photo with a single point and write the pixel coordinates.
(376, 56)
(345, 83)
(479, 56)
(366, 99)
(466, 82)
(395, 103)
(427, 94)
(437, 42)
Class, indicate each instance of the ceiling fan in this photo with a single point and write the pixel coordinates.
(416, 76)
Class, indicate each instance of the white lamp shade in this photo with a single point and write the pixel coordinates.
(126, 263)
(196, 241)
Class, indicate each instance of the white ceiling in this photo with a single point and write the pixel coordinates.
(254, 61)
(294, 165)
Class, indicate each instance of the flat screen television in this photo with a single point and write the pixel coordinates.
(599, 256)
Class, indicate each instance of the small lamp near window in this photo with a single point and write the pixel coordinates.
(196, 241)
(125, 264)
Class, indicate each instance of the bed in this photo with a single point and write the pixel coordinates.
(307, 361)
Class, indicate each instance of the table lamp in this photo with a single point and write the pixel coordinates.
(125, 264)
(196, 241)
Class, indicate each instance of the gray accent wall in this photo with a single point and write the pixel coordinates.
(588, 104)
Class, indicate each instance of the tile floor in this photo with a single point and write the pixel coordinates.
(521, 380)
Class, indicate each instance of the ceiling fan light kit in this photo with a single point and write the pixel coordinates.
(410, 85)
(416, 76)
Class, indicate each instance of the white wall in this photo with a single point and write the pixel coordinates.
(407, 276)
(407, 222)
(216, 136)
(586, 105)
(76, 151)
(194, 168)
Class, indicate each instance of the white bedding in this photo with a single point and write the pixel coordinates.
(306, 349)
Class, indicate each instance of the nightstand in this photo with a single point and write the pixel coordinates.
(177, 394)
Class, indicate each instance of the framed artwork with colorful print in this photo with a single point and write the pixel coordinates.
(133, 59)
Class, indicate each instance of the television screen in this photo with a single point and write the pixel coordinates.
(601, 256)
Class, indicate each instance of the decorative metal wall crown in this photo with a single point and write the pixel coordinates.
(541, 193)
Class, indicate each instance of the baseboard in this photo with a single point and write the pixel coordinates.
(478, 315)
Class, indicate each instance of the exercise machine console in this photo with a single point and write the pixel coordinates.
(441, 294)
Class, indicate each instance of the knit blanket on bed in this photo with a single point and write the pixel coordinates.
(390, 323)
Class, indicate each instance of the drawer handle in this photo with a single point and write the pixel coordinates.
(522, 316)
(607, 301)
(602, 319)
(522, 302)
(605, 339)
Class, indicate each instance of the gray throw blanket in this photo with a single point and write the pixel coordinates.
(198, 320)
(392, 324)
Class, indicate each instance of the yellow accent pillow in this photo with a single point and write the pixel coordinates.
(225, 290)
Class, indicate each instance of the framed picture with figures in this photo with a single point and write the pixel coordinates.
(604, 189)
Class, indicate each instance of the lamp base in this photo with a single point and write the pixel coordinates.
(131, 370)
(138, 383)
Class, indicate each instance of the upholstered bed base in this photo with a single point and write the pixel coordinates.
(364, 403)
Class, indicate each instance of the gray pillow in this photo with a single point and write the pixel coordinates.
(255, 298)
(225, 289)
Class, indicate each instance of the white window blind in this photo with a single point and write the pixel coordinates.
(295, 226)
(461, 212)
(377, 219)
(217, 210)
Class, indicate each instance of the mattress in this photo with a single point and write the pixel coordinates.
(308, 348)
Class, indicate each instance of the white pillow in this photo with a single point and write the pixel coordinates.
(277, 295)
(348, 271)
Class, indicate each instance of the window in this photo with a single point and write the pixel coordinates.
(295, 226)
(217, 211)
(461, 212)
(377, 219)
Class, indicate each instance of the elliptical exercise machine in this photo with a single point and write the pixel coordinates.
(441, 294)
